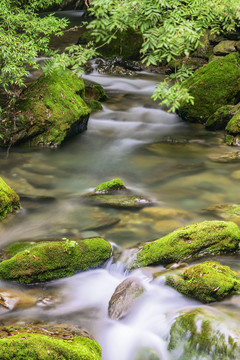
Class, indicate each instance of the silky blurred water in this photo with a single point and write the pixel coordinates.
(178, 166)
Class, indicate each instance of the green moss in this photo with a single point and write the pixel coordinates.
(212, 86)
(233, 127)
(47, 260)
(102, 96)
(108, 186)
(220, 118)
(9, 200)
(229, 139)
(192, 241)
(94, 105)
(197, 334)
(207, 282)
(49, 109)
(42, 347)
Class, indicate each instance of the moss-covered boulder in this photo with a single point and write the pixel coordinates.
(28, 344)
(220, 118)
(201, 334)
(192, 241)
(212, 86)
(207, 282)
(224, 47)
(113, 193)
(48, 111)
(9, 200)
(36, 262)
(233, 129)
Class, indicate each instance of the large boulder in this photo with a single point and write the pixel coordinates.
(9, 200)
(212, 86)
(201, 334)
(31, 262)
(48, 111)
(191, 241)
(207, 282)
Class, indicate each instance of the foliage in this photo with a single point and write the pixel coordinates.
(23, 35)
(68, 245)
(170, 29)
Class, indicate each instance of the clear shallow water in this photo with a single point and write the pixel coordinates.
(157, 155)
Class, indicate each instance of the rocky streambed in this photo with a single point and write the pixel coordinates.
(136, 298)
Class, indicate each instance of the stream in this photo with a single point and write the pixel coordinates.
(158, 155)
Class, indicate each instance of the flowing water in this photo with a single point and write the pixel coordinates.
(156, 154)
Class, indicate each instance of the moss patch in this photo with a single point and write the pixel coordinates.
(9, 200)
(42, 347)
(220, 118)
(94, 105)
(49, 110)
(207, 282)
(212, 86)
(54, 259)
(109, 186)
(198, 334)
(192, 241)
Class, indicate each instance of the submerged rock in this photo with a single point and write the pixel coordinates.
(188, 242)
(114, 194)
(201, 334)
(9, 200)
(146, 354)
(48, 111)
(123, 298)
(212, 86)
(30, 262)
(15, 299)
(33, 343)
(207, 282)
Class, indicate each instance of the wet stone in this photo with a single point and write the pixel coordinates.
(124, 297)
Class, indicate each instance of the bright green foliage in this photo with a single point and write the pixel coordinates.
(49, 259)
(9, 200)
(199, 334)
(192, 241)
(169, 28)
(207, 282)
(47, 110)
(212, 86)
(23, 35)
(42, 347)
(108, 186)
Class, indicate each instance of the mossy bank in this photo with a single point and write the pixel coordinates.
(20, 344)
(37, 262)
(48, 111)
(9, 200)
(212, 86)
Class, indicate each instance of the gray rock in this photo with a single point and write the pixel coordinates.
(123, 298)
